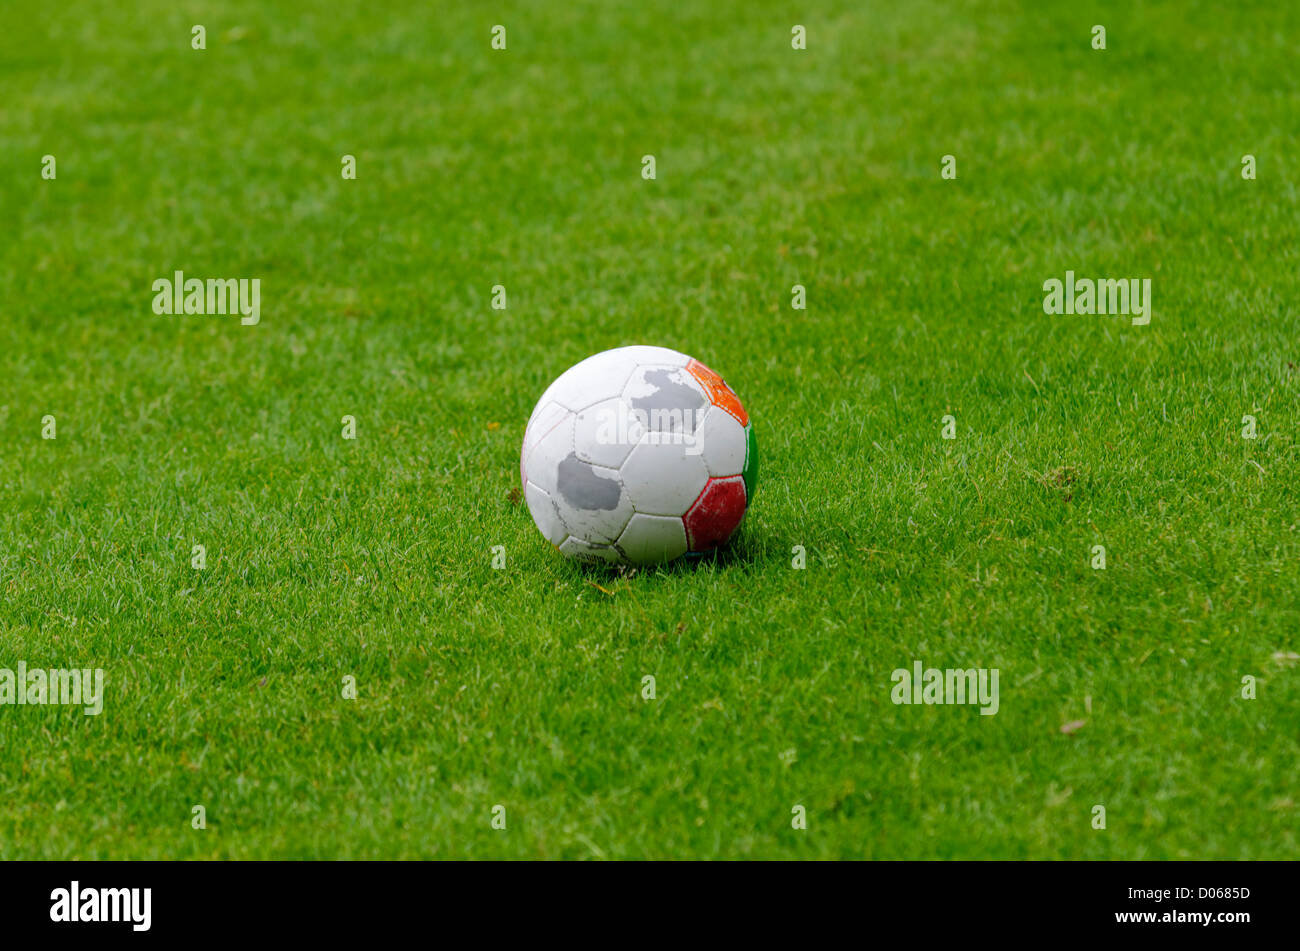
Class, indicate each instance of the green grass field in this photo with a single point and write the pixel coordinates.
(522, 687)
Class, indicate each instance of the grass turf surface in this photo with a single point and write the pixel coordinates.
(522, 687)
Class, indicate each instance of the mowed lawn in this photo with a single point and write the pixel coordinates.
(523, 687)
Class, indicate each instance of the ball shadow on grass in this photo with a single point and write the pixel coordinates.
(742, 551)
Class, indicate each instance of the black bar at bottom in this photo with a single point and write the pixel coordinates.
(333, 901)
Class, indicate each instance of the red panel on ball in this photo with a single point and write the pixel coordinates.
(716, 513)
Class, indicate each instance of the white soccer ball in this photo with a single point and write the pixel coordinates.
(637, 456)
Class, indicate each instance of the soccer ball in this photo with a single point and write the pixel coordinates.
(637, 456)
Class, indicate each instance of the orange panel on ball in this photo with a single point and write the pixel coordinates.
(719, 393)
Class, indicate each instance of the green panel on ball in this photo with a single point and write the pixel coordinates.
(750, 474)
